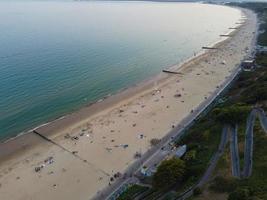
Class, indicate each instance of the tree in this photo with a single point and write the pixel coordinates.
(240, 194)
(221, 184)
(197, 191)
(257, 94)
(169, 172)
(232, 114)
(190, 155)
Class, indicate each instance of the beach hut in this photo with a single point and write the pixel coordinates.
(148, 172)
(180, 151)
(248, 65)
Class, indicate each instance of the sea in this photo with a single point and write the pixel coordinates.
(58, 56)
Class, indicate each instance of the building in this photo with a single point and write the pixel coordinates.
(180, 151)
(248, 65)
(148, 172)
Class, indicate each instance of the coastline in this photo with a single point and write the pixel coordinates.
(54, 129)
(126, 92)
(123, 93)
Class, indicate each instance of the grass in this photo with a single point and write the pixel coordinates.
(257, 183)
(261, 60)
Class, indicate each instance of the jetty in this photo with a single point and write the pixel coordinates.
(171, 72)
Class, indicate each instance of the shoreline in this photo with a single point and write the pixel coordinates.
(55, 130)
(111, 100)
(126, 92)
(145, 84)
(153, 155)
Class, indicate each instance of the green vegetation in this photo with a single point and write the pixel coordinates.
(203, 138)
(255, 187)
(224, 184)
(197, 191)
(233, 114)
(132, 192)
(169, 172)
(261, 59)
(202, 141)
(250, 89)
(240, 194)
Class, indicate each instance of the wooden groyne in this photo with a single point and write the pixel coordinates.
(226, 35)
(209, 48)
(170, 72)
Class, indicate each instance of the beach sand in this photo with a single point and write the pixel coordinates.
(91, 145)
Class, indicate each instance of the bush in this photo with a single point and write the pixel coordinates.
(131, 192)
(221, 184)
(255, 94)
(240, 194)
(232, 114)
(190, 155)
(191, 146)
(169, 173)
(197, 191)
(195, 170)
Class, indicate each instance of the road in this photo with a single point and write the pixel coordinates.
(248, 151)
(215, 158)
(248, 155)
(234, 151)
(232, 132)
(213, 162)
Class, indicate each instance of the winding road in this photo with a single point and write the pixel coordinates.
(234, 151)
(248, 155)
(231, 133)
(248, 151)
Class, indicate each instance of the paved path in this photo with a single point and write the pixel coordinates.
(248, 155)
(248, 152)
(234, 151)
(215, 158)
(232, 132)
(213, 162)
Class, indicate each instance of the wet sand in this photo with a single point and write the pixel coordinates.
(91, 145)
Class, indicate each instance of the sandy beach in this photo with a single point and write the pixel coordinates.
(86, 148)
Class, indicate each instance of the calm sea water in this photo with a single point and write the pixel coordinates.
(56, 56)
